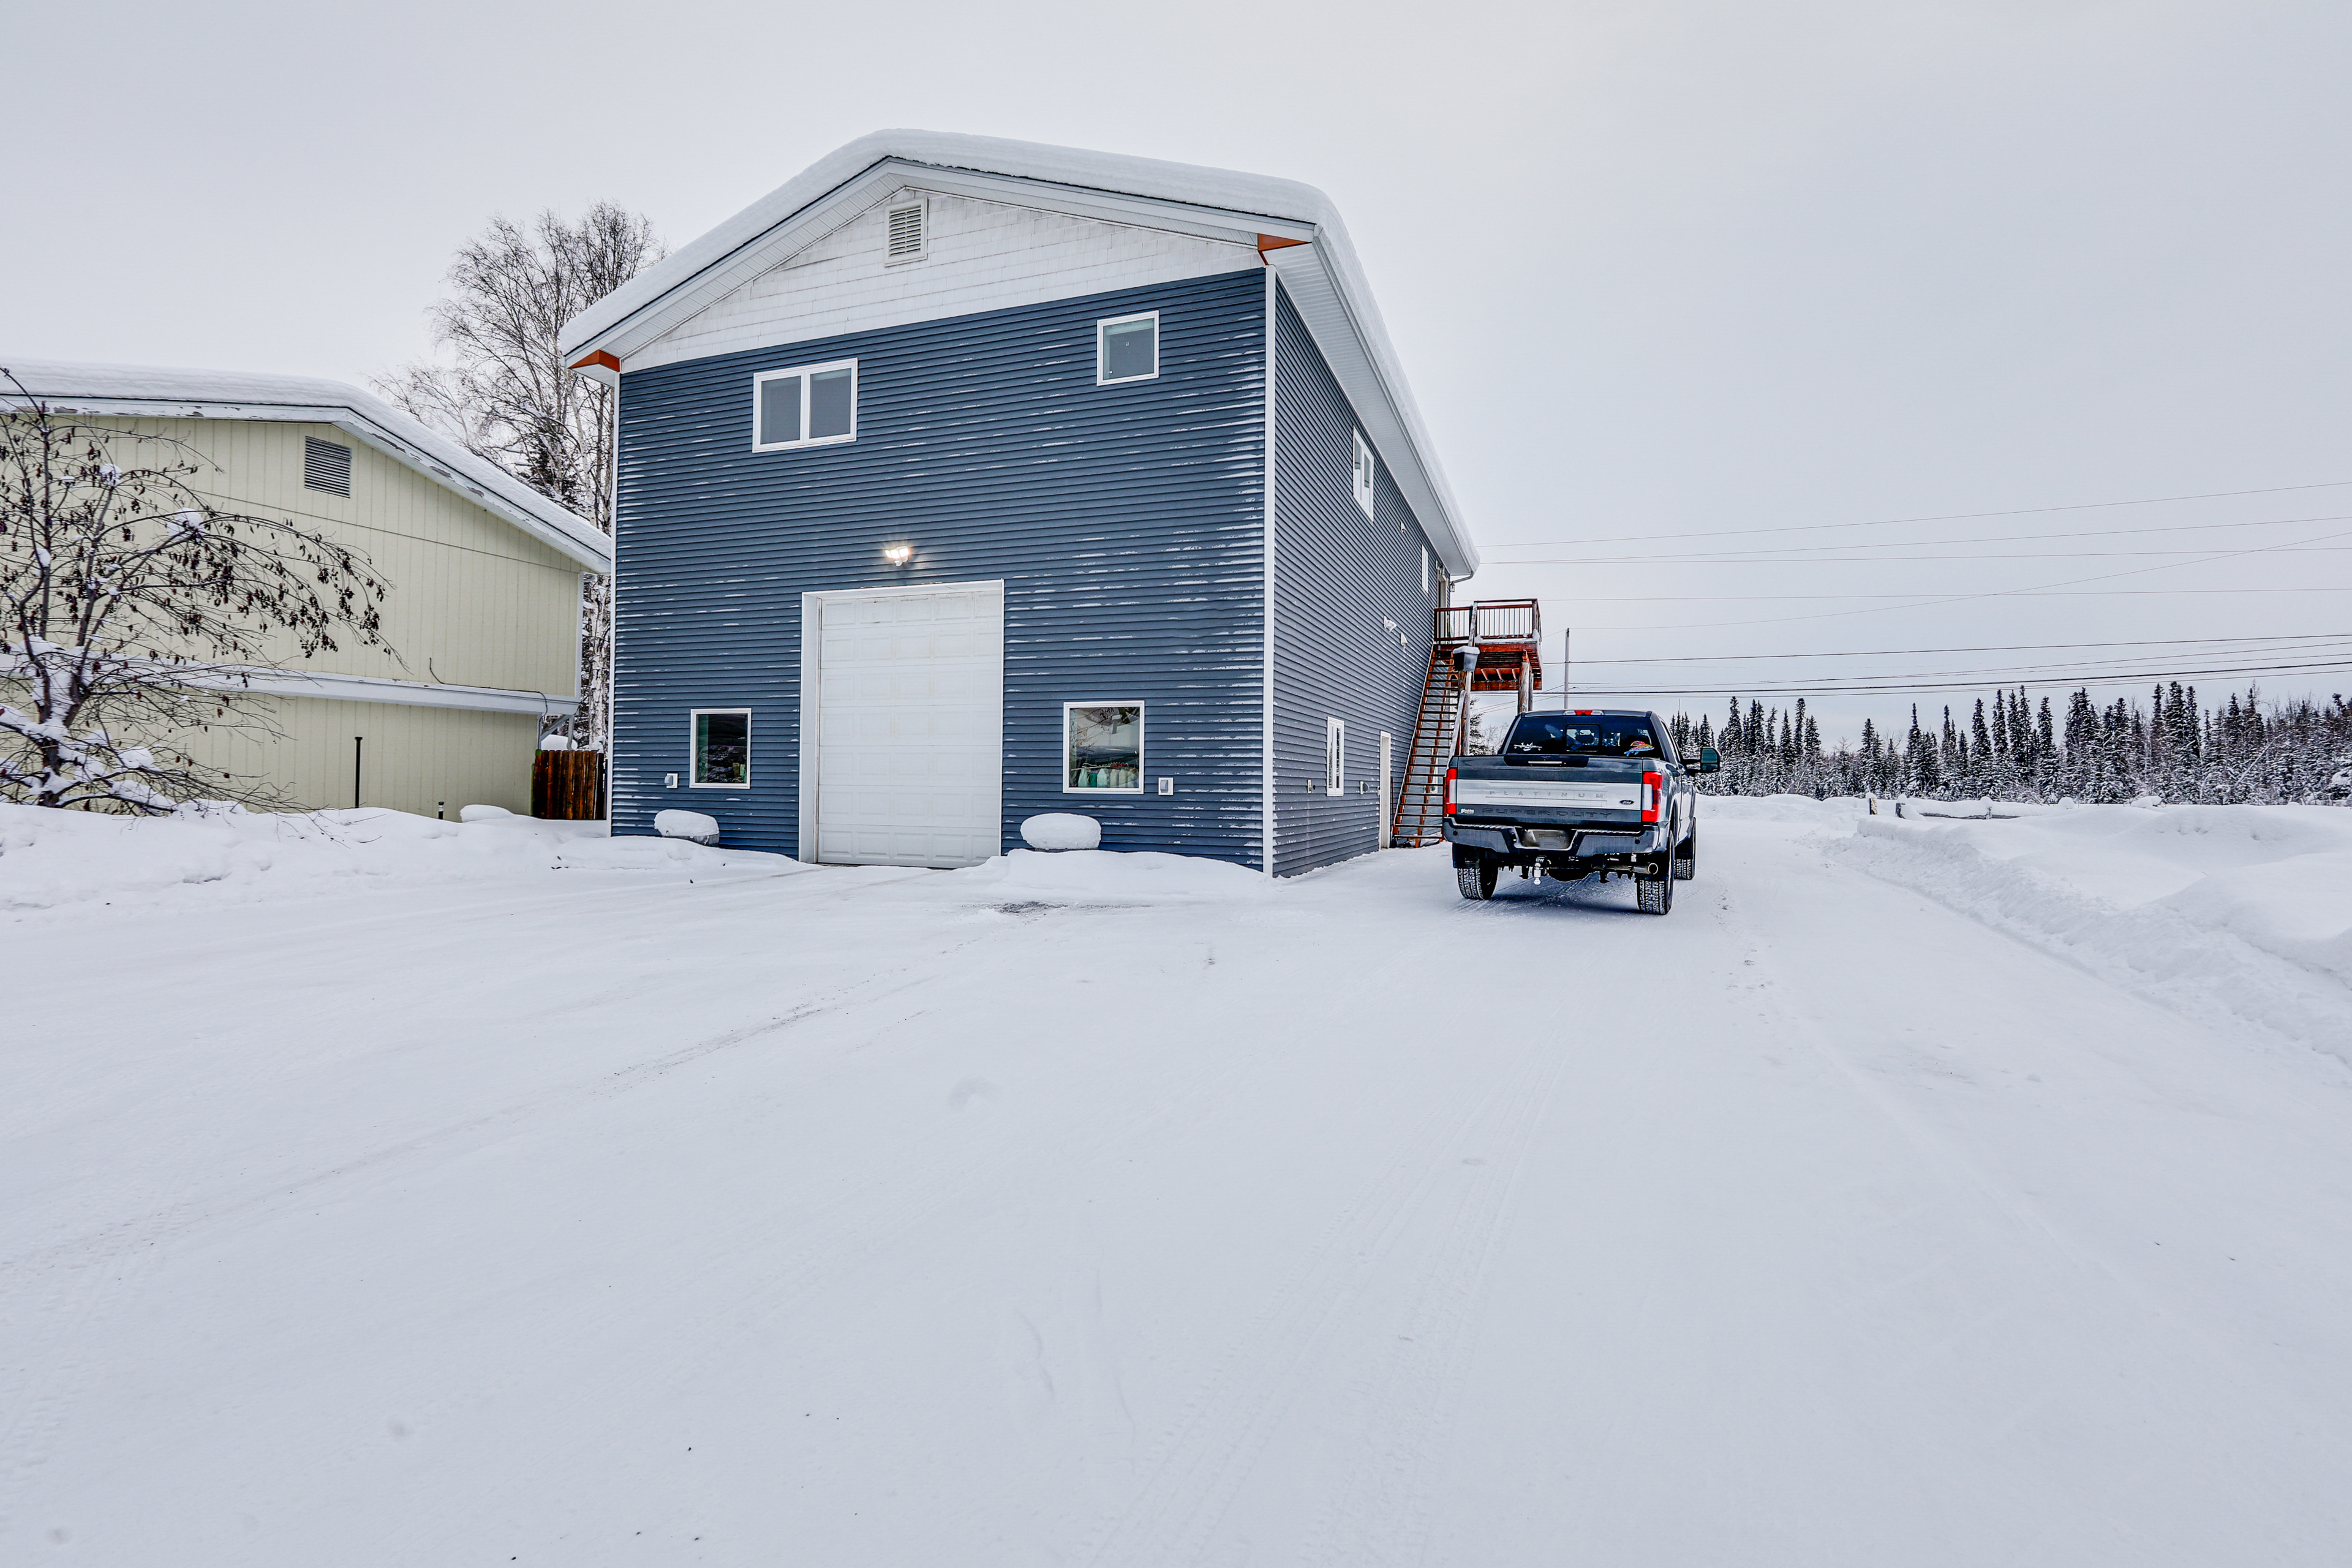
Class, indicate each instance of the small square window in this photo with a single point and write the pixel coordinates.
(1102, 747)
(1366, 474)
(1127, 348)
(1335, 756)
(810, 405)
(721, 748)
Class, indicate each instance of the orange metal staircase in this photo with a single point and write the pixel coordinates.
(1491, 646)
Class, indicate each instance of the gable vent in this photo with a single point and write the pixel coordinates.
(326, 465)
(907, 232)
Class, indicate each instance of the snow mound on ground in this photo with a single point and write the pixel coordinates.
(2237, 911)
(53, 860)
(1126, 875)
(1796, 808)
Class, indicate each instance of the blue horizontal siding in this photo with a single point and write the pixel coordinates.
(1125, 521)
(1339, 576)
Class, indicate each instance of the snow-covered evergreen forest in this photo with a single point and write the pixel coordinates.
(2012, 748)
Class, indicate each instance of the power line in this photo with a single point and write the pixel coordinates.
(1784, 598)
(1814, 551)
(1884, 685)
(2035, 589)
(1896, 560)
(1940, 517)
(1990, 648)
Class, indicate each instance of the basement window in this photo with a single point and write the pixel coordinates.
(1365, 473)
(1335, 756)
(809, 405)
(326, 465)
(909, 234)
(1127, 348)
(721, 748)
(1102, 747)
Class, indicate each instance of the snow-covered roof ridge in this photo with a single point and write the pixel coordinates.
(158, 391)
(1325, 271)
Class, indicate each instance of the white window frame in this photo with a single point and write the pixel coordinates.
(1425, 569)
(1102, 349)
(805, 372)
(922, 211)
(1335, 757)
(1363, 476)
(694, 713)
(1142, 736)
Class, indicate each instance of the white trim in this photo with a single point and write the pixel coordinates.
(1140, 738)
(1354, 348)
(807, 375)
(140, 392)
(1335, 757)
(1265, 700)
(811, 694)
(1363, 475)
(812, 676)
(329, 687)
(1102, 349)
(694, 713)
(921, 208)
(1327, 282)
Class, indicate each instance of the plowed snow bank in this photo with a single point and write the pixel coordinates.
(51, 860)
(2237, 911)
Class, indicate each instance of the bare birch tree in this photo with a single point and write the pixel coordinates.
(133, 611)
(508, 397)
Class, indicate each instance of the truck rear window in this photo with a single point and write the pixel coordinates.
(1581, 734)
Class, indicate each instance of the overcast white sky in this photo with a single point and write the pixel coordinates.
(1656, 269)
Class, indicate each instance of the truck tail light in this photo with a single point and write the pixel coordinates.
(1449, 791)
(1653, 792)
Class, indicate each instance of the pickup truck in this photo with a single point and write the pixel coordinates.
(1598, 789)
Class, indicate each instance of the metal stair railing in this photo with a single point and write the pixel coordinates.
(1421, 797)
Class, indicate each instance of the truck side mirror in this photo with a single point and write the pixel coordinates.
(1710, 760)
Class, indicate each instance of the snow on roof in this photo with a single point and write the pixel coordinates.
(150, 392)
(1324, 277)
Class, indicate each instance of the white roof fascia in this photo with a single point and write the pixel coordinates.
(1214, 204)
(661, 313)
(1379, 396)
(146, 392)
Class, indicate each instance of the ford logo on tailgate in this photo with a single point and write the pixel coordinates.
(1474, 791)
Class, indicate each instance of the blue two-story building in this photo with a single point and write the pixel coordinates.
(962, 479)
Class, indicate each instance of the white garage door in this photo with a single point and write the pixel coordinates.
(910, 726)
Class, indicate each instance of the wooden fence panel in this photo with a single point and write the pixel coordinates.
(568, 786)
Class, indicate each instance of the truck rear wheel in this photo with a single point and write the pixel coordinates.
(1476, 879)
(1655, 892)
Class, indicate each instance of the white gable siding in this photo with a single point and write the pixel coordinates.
(984, 256)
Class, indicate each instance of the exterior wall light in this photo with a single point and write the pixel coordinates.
(898, 554)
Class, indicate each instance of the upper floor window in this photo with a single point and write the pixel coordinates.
(1127, 348)
(812, 406)
(1365, 471)
(326, 465)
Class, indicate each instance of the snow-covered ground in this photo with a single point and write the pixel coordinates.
(1920, 1192)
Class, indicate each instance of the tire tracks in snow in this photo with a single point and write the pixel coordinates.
(1379, 1512)
(1205, 1457)
(100, 1270)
